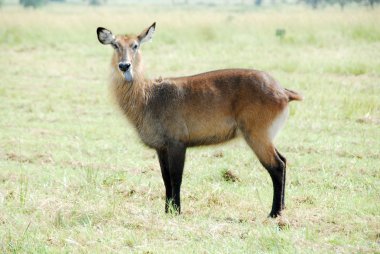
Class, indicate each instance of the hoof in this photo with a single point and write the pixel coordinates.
(274, 214)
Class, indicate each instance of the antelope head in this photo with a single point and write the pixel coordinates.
(127, 54)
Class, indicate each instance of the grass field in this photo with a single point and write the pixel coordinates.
(75, 178)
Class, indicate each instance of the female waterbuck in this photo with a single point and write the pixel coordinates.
(172, 114)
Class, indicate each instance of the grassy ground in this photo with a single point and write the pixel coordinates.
(75, 178)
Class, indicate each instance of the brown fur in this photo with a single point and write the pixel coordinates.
(203, 109)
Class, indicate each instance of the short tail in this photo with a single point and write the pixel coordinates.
(293, 96)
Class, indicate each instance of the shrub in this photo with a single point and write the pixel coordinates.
(32, 3)
(95, 2)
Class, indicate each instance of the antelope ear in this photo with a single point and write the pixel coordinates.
(147, 34)
(105, 36)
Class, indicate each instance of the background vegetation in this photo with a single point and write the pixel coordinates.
(257, 3)
(75, 178)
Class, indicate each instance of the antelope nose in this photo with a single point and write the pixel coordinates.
(123, 66)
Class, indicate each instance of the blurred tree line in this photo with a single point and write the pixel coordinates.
(342, 3)
(312, 3)
(39, 3)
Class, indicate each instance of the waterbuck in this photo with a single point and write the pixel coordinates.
(172, 114)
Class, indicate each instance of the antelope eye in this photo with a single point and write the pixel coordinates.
(135, 46)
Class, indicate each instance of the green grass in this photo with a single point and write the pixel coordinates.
(75, 178)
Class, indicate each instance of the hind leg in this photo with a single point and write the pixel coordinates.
(284, 179)
(275, 165)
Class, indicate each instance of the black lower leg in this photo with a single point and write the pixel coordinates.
(176, 158)
(283, 178)
(277, 174)
(277, 197)
(164, 165)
